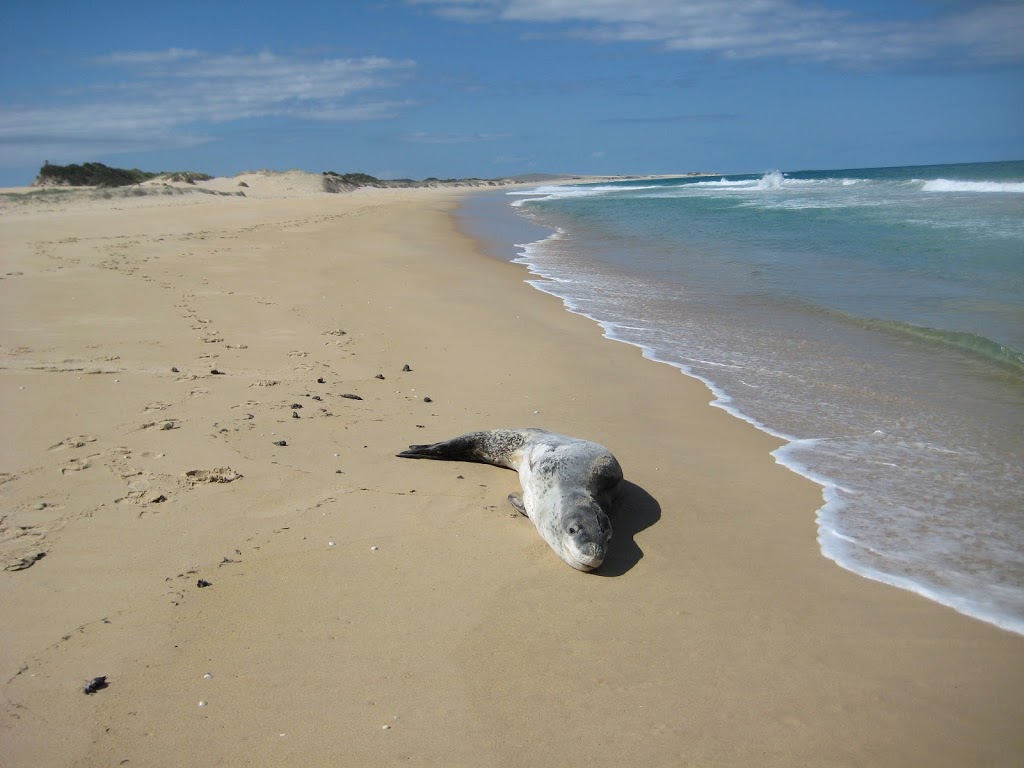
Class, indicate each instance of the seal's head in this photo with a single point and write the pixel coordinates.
(581, 534)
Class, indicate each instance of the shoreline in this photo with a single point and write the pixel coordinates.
(558, 282)
(718, 633)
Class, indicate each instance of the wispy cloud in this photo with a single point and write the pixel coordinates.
(150, 57)
(423, 137)
(694, 118)
(948, 34)
(172, 99)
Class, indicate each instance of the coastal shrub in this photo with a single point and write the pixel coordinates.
(100, 175)
(188, 177)
(90, 175)
(355, 179)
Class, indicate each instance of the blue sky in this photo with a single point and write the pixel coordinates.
(416, 88)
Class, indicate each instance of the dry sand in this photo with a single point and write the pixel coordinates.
(364, 610)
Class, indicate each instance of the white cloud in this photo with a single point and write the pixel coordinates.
(149, 57)
(171, 99)
(423, 137)
(976, 34)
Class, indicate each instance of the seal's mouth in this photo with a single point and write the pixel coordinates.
(585, 558)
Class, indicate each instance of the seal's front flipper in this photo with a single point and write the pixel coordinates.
(516, 500)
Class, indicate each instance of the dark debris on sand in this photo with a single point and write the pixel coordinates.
(96, 684)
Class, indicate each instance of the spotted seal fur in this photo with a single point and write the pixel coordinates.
(568, 484)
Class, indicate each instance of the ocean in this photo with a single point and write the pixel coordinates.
(873, 319)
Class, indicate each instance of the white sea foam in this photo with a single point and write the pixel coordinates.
(559, 191)
(771, 180)
(946, 185)
(724, 182)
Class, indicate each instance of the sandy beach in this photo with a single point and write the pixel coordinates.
(173, 385)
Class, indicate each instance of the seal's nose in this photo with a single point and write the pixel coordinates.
(591, 553)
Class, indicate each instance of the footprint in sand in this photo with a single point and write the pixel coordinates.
(218, 475)
(142, 498)
(166, 424)
(20, 533)
(117, 463)
(157, 406)
(141, 492)
(76, 465)
(72, 442)
(21, 562)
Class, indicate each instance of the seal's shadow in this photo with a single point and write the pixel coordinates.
(634, 510)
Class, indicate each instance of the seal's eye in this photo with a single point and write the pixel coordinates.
(572, 531)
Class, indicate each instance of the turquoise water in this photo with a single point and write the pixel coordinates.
(872, 318)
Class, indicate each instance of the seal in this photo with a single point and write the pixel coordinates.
(569, 484)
